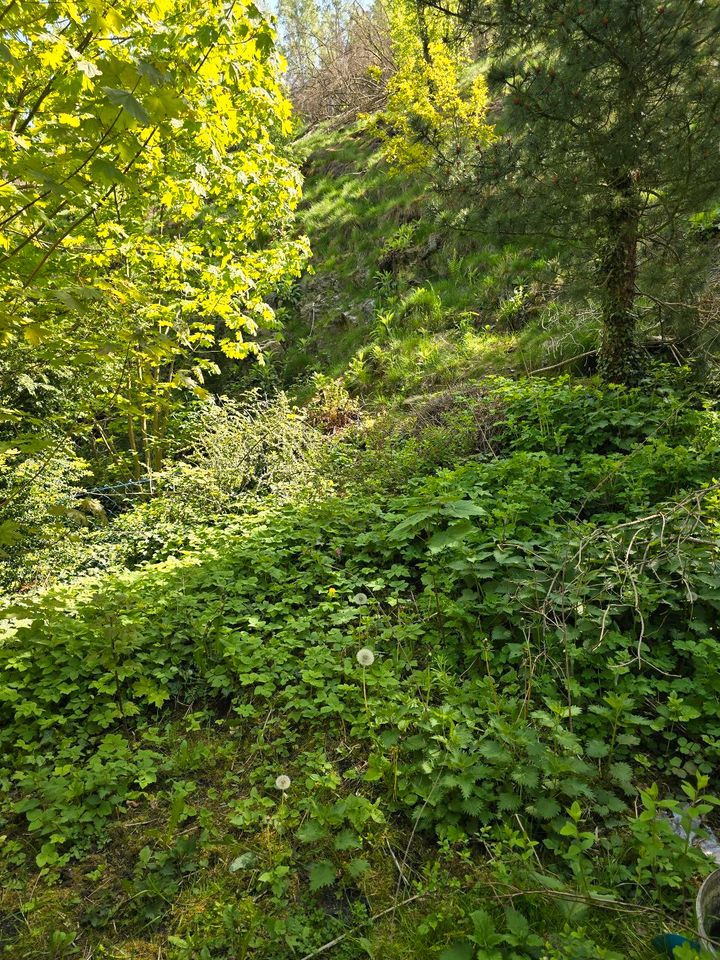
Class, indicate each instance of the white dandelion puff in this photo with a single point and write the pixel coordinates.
(365, 657)
(283, 782)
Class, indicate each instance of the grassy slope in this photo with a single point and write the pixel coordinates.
(155, 707)
(451, 308)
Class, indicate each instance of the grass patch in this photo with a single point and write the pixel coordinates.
(401, 301)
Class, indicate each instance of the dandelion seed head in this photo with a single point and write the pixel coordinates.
(365, 657)
(283, 782)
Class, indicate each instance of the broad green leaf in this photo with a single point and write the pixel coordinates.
(546, 808)
(347, 840)
(322, 874)
(516, 923)
(242, 862)
(311, 831)
(454, 534)
(463, 508)
(107, 172)
(124, 99)
(597, 749)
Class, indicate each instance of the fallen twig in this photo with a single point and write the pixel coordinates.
(561, 363)
(333, 943)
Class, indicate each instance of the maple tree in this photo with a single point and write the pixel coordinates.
(146, 205)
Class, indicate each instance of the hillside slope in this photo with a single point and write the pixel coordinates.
(416, 671)
(400, 299)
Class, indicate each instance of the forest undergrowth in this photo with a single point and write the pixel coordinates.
(444, 703)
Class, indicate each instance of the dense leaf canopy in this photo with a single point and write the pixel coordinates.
(145, 204)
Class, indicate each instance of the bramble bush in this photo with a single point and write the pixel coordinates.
(232, 454)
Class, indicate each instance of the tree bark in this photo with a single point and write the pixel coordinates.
(620, 358)
(423, 31)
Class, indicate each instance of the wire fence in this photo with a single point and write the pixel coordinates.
(113, 496)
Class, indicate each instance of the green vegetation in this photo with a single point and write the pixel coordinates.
(539, 658)
(402, 300)
(145, 218)
(403, 642)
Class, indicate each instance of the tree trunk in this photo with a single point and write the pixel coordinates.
(423, 31)
(620, 352)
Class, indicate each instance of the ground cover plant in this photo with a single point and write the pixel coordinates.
(478, 680)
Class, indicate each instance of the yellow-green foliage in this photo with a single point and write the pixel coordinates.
(429, 114)
(146, 202)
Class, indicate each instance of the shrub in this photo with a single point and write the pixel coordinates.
(332, 408)
(251, 444)
(238, 451)
(43, 494)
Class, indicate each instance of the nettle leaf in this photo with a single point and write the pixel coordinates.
(508, 801)
(516, 923)
(475, 806)
(129, 103)
(322, 874)
(311, 831)
(622, 773)
(597, 749)
(356, 868)
(347, 840)
(467, 786)
(483, 927)
(492, 750)
(546, 808)
(610, 801)
(454, 534)
(526, 777)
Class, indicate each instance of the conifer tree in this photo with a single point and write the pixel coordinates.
(611, 111)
